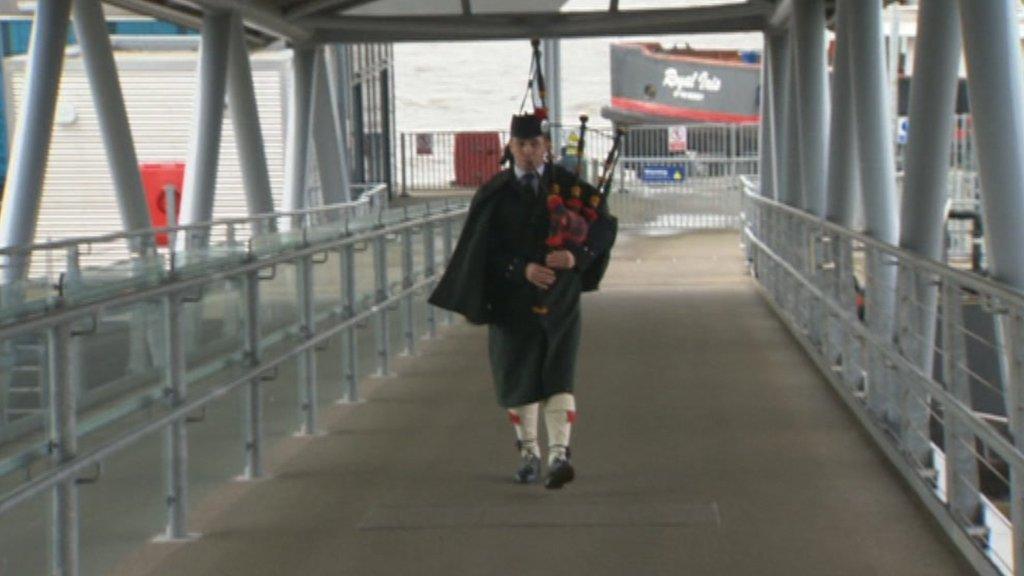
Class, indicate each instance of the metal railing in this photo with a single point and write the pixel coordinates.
(445, 160)
(664, 194)
(381, 262)
(927, 356)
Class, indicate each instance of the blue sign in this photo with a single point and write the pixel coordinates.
(666, 173)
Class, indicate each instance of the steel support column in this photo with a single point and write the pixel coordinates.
(358, 134)
(204, 148)
(551, 56)
(297, 136)
(325, 139)
(30, 148)
(338, 81)
(842, 189)
(996, 83)
(94, 40)
(766, 138)
(779, 74)
(792, 192)
(812, 89)
(925, 192)
(878, 181)
(252, 156)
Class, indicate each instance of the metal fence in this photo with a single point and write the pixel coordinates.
(675, 194)
(927, 356)
(218, 321)
(432, 160)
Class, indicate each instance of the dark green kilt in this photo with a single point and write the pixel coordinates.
(530, 363)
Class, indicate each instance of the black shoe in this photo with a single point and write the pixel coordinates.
(560, 473)
(529, 470)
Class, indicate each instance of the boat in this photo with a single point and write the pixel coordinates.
(655, 85)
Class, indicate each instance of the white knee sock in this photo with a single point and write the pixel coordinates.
(559, 415)
(524, 420)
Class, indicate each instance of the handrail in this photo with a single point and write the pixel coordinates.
(66, 471)
(62, 313)
(365, 198)
(973, 281)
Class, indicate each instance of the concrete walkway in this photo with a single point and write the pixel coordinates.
(707, 444)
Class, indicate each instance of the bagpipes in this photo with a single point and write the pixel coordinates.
(572, 216)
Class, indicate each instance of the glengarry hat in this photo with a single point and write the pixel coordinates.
(526, 126)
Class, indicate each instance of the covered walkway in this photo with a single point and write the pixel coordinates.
(708, 444)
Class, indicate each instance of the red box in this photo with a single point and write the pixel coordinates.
(157, 179)
(477, 155)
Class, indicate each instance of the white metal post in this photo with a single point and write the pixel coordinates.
(20, 211)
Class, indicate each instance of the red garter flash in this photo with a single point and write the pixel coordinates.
(514, 418)
(570, 415)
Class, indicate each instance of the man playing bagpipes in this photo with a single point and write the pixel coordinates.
(536, 237)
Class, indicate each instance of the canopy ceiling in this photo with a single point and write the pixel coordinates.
(317, 21)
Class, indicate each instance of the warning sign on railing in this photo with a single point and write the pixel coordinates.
(663, 173)
(677, 138)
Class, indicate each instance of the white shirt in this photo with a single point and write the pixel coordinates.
(539, 172)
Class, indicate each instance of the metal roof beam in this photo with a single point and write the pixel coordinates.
(313, 7)
(780, 16)
(731, 18)
(182, 17)
(257, 16)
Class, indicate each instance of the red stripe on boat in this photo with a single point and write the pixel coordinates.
(681, 112)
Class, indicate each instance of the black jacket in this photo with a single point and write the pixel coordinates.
(465, 287)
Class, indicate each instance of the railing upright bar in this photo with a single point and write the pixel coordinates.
(176, 439)
(349, 359)
(254, 399)
(408, 318)
(380, 268)
(429, 264)
(449, 243)
(307, 360)
(64, 557)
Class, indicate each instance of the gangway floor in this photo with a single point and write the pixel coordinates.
(707, 444)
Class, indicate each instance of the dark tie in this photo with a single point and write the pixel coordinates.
(529, 181)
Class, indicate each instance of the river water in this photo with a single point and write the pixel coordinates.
(478, 85)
